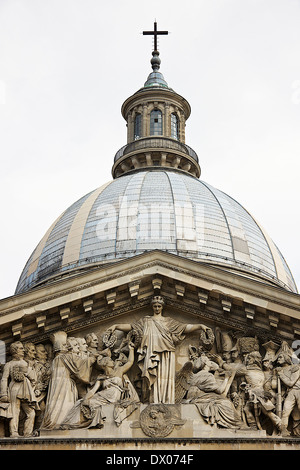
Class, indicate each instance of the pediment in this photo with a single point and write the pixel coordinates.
(108, 314)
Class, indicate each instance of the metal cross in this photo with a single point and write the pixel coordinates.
(155, 34)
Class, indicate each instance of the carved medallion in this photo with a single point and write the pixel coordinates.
(158, 420)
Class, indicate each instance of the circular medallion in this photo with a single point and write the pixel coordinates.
(156, 420)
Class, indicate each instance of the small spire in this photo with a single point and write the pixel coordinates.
(155, 78)
(155, 33)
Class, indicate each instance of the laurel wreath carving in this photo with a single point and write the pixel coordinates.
(207, 338)
(109, 339)
(134, 337)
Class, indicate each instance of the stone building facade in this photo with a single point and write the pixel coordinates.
(155, 313)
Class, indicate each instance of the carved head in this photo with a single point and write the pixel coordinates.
(284, 354)
(59, 341)
(158, 299)
(106, 364)
(254, 357)
(283, 357)
(92, 340)
(17, 350)
(41, 352)
(157, 304)
(30, 351)
(82, 345)
(73, 345)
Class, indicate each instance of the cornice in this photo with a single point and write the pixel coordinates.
(203, 275)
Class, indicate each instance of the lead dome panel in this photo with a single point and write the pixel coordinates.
(155, 210)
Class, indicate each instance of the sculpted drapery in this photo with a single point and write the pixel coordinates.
(156, 356)
(62, 392)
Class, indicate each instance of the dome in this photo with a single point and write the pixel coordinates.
(155, 202)
(156, 209)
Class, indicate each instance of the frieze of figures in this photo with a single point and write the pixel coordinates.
(234, 382)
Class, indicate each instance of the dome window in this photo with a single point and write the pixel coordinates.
(174, 126)
(156, 122)
(138, 126)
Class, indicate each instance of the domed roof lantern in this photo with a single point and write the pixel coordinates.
(156, 117)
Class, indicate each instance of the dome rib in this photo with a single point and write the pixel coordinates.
(173, 200)
(225, 218)
(33, 269)
(52, 254)
(33, 261)
(73, 242)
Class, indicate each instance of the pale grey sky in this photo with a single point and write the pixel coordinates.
(66, 67)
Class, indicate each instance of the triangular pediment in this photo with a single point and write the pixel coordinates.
(206, 311)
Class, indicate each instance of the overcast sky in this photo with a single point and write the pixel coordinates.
(66, 67)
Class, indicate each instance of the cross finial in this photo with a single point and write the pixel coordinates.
(155, 33)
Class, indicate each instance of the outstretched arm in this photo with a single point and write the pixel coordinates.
(125, 368)
(125, 327)
(190, 328)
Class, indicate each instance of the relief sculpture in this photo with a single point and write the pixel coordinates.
(156, 351)
(151, 369)
(199, 385)
(112, 387)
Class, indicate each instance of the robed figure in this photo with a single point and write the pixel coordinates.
(62, 392)
(159, 336)
(156, 356)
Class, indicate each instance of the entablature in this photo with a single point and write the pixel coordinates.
(192, 287)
